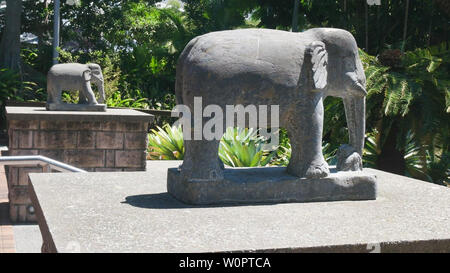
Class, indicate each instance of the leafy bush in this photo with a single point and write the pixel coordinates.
(116, 100)
(12, 86)
(10, 83)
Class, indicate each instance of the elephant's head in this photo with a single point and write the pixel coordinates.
(337, 71)
(95, 75)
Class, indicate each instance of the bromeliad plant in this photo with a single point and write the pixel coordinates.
(166, 143)
(238, 147)
(243, 148)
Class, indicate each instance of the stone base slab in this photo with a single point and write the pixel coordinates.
(75, 107)
(132, 212)
(271, 185)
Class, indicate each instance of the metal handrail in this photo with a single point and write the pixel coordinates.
(48, 163)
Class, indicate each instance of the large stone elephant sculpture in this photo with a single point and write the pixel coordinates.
(266, 67)
(73, 77)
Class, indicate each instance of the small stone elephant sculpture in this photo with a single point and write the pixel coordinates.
(73, 77)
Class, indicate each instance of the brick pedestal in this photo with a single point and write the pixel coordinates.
(115, 140)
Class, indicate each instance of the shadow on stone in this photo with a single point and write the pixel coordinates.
(164, 200)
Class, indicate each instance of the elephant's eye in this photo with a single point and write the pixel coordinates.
(349, 64)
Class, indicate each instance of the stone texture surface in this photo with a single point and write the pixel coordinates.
(75, 107)
(132, 212)
(93, 141)
(29, 115)
(271, 184)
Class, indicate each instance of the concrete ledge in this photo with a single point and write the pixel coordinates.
(132, 212)
(271, 185)
(40, 113)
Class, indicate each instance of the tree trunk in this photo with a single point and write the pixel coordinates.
(366, 12)
(295, 17)
(10, 43)
(405, 26)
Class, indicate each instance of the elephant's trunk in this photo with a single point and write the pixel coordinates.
(356, 121)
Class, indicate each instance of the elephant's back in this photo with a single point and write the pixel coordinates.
(272, 54)
(67, 70)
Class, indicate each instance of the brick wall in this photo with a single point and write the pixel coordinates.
(89, 145)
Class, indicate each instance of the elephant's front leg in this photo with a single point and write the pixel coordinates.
(88, 93)
(305, 126)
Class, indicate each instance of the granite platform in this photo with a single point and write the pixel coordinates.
(132, 212)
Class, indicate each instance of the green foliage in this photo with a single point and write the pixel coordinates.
(371, 151)
(238, 147)
(438, 167)
(166, 143)
(204, 16)
(432, 166)
(116, 100)
(241, 147)
(414, 164)
(12, 87)
(10, 83)
(152, 39)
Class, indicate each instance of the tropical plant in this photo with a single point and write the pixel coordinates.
(12, 87)
(166, 143)
(116, 100)
(10, 83)
(238, 147)
(371, 151)
(434, 167)
(242, 147)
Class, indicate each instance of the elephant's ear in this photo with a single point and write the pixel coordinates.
(87, 75)
(319, 61)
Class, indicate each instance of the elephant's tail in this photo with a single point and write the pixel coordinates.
(179, 81)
